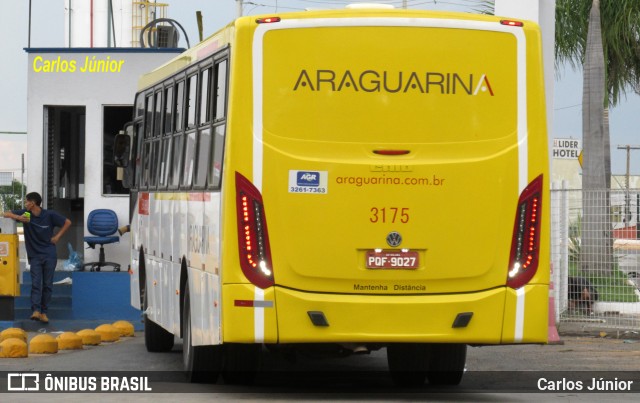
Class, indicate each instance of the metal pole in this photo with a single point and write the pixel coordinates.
(109, 25)
(29, 40)
(22, 183)
(239, 4)
(627, 213)
(628, 202)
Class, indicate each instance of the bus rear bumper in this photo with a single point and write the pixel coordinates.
(497, 316)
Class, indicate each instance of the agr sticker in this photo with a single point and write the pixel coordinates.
(313, 182)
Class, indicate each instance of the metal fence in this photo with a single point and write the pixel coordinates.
(595, 250)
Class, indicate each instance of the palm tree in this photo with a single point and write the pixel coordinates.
(603, 38)
(597, 244)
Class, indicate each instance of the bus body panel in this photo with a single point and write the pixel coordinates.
(457, 228)
(195, 239)
(462, 150)
(453, 197)
(526, 315)
(254, 314)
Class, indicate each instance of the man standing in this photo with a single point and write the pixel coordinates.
(40, 243)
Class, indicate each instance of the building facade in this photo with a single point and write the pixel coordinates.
(78, 100)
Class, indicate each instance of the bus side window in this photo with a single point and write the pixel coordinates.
(157, 114)
(189, 160)
(165, 146)
(148, 119)
(204, 150)
(146, 164)
(177, 160)
(190, 102)
(215, 175)
(220, 96)
(205, 113)
(155, 159)
(221, 90)
(139, 112)
(155, 145)
(179, 103)
(168, 109)
(165, 163)
(136, 153)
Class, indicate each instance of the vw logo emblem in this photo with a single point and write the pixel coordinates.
(394, 239)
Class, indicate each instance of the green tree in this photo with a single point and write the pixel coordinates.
(11, 195)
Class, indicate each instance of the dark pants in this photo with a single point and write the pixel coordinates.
(42, 270)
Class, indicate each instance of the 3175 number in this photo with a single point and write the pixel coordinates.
(389, 215)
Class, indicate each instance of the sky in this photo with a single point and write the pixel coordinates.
(48, 31)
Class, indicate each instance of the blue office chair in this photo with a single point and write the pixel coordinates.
(103, 223)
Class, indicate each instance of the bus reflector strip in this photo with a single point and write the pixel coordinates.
(248, 303)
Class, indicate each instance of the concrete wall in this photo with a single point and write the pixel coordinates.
(52, 84)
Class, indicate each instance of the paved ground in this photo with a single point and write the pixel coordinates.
(495, 373)
(575, 353)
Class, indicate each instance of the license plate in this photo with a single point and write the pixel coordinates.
(392, 259)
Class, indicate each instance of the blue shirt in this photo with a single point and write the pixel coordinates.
(39, 231)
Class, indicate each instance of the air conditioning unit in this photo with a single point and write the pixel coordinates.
(166, 36)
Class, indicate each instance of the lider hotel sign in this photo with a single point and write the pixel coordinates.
(566, 148)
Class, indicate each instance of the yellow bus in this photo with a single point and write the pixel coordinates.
(351, 180)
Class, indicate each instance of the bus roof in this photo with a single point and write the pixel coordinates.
(224, 36)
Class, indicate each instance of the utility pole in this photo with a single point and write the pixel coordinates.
(22, 183)
(404, 3)
(627, 213)
(29, 37)
(239, 4)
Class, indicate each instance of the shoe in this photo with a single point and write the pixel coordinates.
(36, 316)
(43, 318)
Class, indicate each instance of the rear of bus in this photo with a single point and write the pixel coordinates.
(389, 174)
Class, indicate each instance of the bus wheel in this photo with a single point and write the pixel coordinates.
(446, 364)
(408, 363)
(201, 364)
(156, 338)
(241, 363)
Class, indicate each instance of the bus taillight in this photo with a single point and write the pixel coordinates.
(253, 237)
(512, 23)
(525, 246)
(268, 20)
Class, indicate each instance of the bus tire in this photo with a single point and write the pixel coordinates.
(241, 363)
(446, 364)
(156, 338)
(201, 364)
(408, 363)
